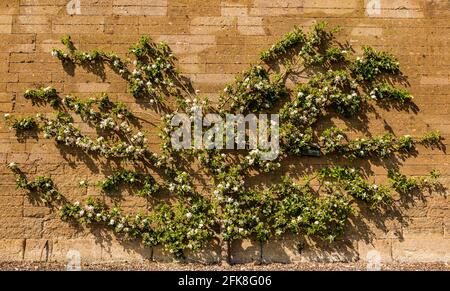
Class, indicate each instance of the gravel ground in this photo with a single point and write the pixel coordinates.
(153, 266)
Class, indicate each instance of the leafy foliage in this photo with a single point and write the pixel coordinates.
(43, 95)
(253, 91)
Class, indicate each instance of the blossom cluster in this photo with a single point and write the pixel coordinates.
(154, 75)
(145, 183)
(108, 116)
(253, 91)
(21, 124)
(63, 130)
(42, 188)
(43, 95)
(183, 226)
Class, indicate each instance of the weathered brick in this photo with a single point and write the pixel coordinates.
(9, 7)
(6, 23)
(233, 10)
(35, 211)
(394, 9)
(11, 250)
(335, 7)
(146, 7)
(283, 250)
(424, 227)
(209, 254)
(276, 8)
(435, 80)
(119, 251)
(245, 251)
(367, 31)
(37, 250)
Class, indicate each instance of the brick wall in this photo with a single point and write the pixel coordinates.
(214, 40)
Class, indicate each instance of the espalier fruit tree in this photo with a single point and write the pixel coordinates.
(228, 207)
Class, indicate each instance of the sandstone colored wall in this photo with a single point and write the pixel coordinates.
(214, 40)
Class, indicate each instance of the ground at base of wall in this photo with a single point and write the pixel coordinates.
(153, 266)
